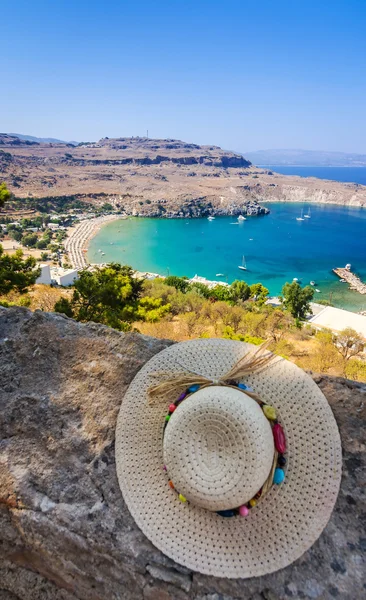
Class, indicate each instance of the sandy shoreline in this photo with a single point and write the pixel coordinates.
(76, 244)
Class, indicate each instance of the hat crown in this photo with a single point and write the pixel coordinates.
(218, 448)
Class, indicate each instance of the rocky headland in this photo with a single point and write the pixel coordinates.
(66, 533)
(150, 177)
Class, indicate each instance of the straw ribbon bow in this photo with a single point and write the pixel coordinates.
(170, 384)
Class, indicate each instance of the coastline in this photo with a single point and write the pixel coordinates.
(76, 244)
(274, 249)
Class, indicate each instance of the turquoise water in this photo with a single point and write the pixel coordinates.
(277, 248)
(350, 174)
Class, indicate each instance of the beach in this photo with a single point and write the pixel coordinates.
(76, 244)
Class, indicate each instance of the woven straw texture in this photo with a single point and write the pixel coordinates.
(285, 523)
(218, 448)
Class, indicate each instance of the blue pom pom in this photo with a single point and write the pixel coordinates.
(242, 386)
(194, 388)
(226, 513)
(279, 476)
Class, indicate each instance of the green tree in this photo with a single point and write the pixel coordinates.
(259, 293)
(152, 310)
(239, 290)
(108, 295)
(15, 273)
(107, 207)
(202, 289)
(5, 195)
(180, 283)
(15, 235)
(296, 299)
(65, 307)
(29, 239)
(41, 244)
(221, 293)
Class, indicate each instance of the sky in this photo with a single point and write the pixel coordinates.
(240, 74)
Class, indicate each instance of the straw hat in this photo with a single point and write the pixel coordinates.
(182, 472)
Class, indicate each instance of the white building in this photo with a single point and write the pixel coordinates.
(337, 319)
(45, 276)
(63, 277)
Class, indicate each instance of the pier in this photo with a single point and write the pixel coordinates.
(353, 281)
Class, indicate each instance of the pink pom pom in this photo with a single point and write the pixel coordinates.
(172, 408)
(244, 511)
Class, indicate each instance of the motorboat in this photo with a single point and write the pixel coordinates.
(210, 218)
(241, 218)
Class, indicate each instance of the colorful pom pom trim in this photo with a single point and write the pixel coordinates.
(279, 443)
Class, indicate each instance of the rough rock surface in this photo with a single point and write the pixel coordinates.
(66, 533)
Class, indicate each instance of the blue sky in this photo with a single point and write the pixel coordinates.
(242, 75)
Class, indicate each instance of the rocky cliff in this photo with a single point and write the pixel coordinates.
(142, 175)
(66, 533)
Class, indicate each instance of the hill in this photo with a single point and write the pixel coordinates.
(155, 177)
(306, 158)
(31, 138)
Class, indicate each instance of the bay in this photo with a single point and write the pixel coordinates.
(277, 248)
(343, 174)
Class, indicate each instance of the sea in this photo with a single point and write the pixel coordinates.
(344, 174)
(276, 248)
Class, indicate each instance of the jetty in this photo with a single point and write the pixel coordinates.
(353, 280)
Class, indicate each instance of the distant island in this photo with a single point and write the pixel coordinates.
(305, 158)
(40, 140)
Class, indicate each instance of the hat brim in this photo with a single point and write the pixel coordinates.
(285, 523)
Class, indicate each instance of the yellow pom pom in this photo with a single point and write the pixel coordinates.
(252, 502)
(270, 412)
(182, 498)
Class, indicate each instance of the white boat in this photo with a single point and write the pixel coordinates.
(308, 216)
(295, 279)
(319, 292)
(342, 280)
(99, 250)
(301, 218)
(243, 265)
(241, 218)
(220, 275)
(103, 253)
(210, 218)
(312, 282)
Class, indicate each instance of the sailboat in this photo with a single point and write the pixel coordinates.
(243, 265)
(308, 216)
(301, 218)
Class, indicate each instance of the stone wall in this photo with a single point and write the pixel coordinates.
(66, 533)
